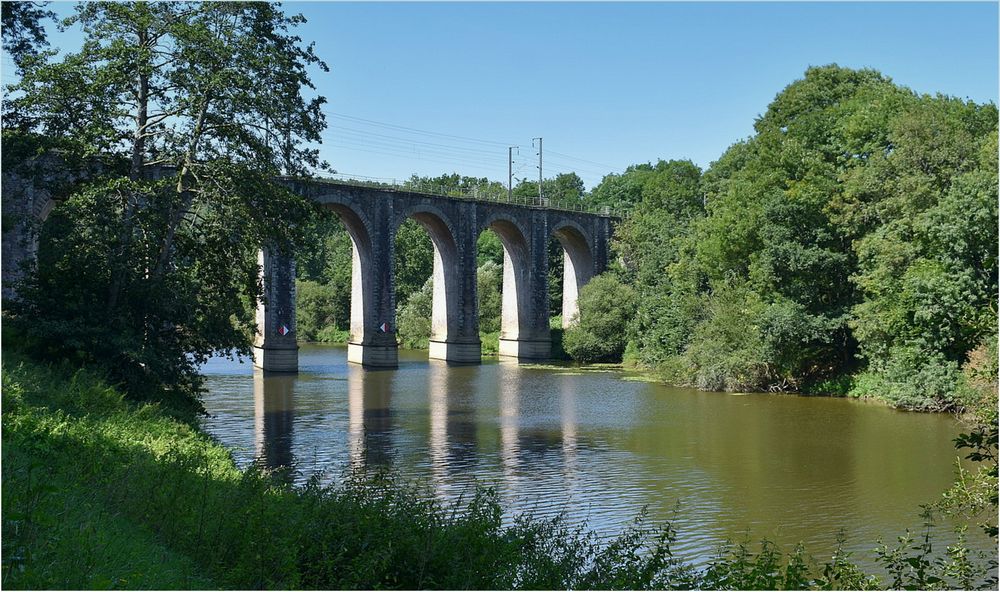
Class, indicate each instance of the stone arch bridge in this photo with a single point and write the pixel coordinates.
(373, 215)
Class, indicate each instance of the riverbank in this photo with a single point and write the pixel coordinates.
(854, 386)
(99, 492)
(489, 342)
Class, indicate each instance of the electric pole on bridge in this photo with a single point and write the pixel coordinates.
(539, 167)
(510, 172)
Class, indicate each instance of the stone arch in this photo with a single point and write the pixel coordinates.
(446, 317)
(515, 315)
(363, 306)
(578, 265)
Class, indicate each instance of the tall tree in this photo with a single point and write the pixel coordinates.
(203, 104)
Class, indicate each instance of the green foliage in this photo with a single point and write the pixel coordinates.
(489, 286)
(557, 334)
(929, 270)
(490, 343)
(605, 309)
(975, 493)
(413, 319)
(456, 185)
(914, 378)
(489, 249)
(315, 309)
(665, 198)
(414, 259)
(564, 188)
(554, 282)
(23, 32)
(323, 264)
(738, 344)
(213, 91)
(855, 228)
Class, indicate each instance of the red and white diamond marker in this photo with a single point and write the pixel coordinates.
(284, 330)
(384, 327)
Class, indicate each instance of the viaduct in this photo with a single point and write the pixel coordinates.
(372, 216)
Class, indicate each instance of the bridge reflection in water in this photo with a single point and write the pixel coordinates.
(461, 429)
(789, 468)
(274, 419)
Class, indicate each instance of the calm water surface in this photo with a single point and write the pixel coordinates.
(600, 447)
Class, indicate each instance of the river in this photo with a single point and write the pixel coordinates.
(600, 445)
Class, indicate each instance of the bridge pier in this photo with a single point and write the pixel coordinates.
(373, 307)
(275, 348)
(524, 323)
(455, 314)
(373, 356)
(525, 349)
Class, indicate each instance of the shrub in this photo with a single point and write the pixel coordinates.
(414, 317)
(727, 351)
(606, 306)
(913, 378)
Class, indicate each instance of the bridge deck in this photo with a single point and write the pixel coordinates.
(473, 194)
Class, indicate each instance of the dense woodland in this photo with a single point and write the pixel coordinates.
(848, 246)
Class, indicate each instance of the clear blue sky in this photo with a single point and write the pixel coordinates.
(609, 83)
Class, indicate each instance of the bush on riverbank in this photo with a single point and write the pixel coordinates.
(599, 330)
(99, 492)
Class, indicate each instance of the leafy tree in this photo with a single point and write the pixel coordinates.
(457, 185)
(414, 259)
(489, 285)
(563, 188)
(605, 309)
(667, 200)
(211, 92)
(315, 307)
(489, 248)
(855, 228)
(414, 317)
(23, 32)
(928, 271)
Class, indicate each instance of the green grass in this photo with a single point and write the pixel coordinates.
(101, 493)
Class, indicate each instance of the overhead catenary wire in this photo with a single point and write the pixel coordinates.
(479, 166)
(415, 130)
(582, 160)
(409, 140)
(589, 166)
(412, 151)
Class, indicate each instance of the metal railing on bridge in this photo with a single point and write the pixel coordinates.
(496, 194)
